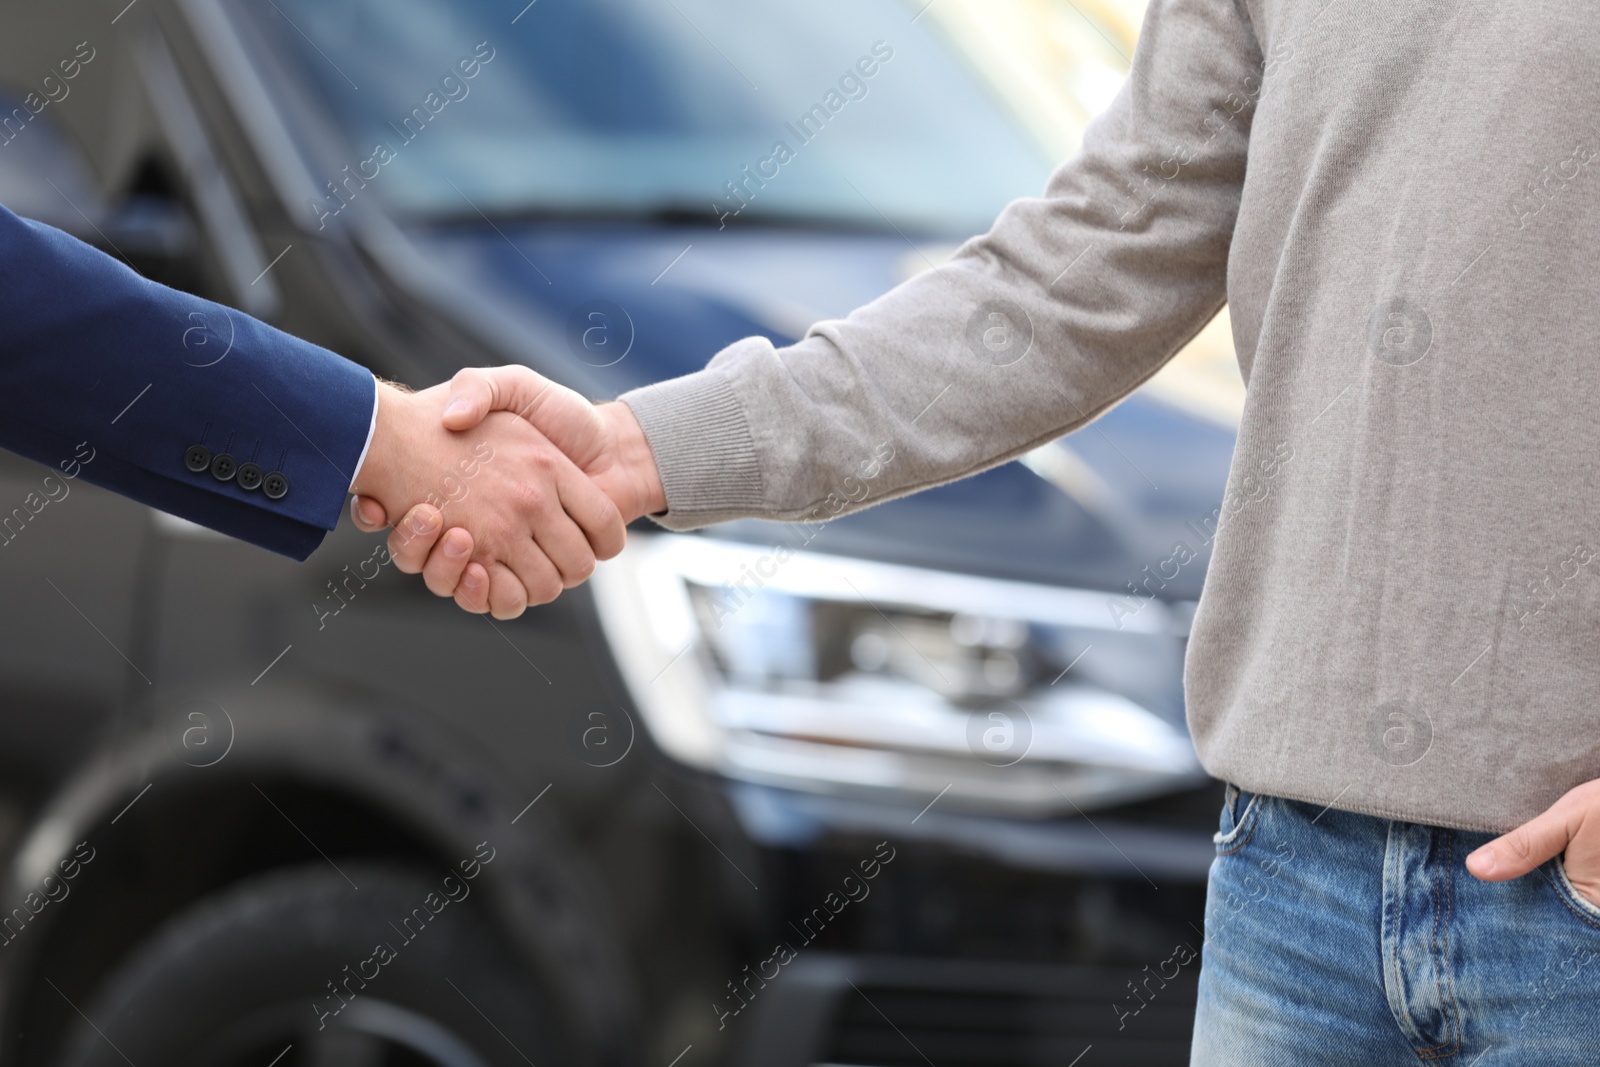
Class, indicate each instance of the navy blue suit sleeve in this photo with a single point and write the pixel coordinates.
(130, 384)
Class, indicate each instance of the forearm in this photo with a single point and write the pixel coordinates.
(1096, 285)
(155, 380)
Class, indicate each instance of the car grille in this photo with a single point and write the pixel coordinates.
(1053, 1021)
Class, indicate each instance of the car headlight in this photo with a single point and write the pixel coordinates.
(842, 675)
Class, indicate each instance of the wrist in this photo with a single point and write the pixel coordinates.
(383, 471)
(636, 463)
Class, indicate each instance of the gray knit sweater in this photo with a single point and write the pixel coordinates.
(1400, 202)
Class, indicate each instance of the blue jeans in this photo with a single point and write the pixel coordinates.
(1336, 938)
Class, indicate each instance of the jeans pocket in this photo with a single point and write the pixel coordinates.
(1234, 825)
(1586, 909)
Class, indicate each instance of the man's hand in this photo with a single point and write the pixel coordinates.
(605, 442)
(1570, 825)
(530, 523)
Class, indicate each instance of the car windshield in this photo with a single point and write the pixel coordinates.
(853, 112)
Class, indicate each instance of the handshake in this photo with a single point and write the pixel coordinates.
(509, 487)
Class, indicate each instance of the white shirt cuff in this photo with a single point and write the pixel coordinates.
(371, 429)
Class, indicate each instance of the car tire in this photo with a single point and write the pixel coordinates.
(248, 974)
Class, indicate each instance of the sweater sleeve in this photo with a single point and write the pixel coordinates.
(1065, 306)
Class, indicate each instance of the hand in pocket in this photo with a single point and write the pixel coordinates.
(1570, 825)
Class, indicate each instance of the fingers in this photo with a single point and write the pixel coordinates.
(1514, 854)
(558, 557)
(507, 598)
(595, 514)
(414, 537)
(536, 525)
(444, 561)
(472, 594)
(476, 391)
(503, 589)
(368, 514)
(506, 590)
(564, 507)
(572, 522)
(567, 549)
(447, 562)
(541, 580)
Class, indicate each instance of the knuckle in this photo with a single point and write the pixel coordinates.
(542, 458)
(500, 533)
(507, 594)
(542, 581)
(532, 496)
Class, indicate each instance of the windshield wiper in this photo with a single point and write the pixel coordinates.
(670, 213)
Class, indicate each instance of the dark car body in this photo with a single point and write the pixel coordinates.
(196, 714)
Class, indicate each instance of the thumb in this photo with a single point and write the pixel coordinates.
(476, 391)
(1514, 854)
(367, 514)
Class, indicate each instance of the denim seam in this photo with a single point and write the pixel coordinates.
(1390, 945)
(1449, 913)
(1441, 975)
(1248, 816)
(1556, 880)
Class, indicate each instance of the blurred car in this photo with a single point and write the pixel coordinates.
(910, 786)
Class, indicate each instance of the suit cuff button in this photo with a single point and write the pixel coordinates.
(224, 467)
(250, 476)
(275, 486)
(197, 458)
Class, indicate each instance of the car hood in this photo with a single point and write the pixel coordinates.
(1091, 511)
